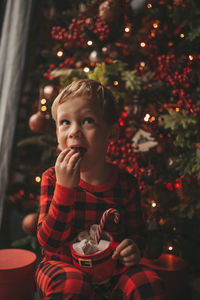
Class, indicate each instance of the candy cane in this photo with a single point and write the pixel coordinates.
(103, 220)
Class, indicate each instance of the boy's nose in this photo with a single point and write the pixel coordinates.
(75, 131)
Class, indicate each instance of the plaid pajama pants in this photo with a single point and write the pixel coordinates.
(57, 280)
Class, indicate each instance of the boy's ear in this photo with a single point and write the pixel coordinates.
(114, 132)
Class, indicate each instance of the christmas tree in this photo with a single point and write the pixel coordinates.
(147, 53)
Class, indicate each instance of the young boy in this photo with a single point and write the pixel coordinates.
(79, 189)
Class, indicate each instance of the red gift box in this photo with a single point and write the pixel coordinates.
(173, 270)
(17, 271)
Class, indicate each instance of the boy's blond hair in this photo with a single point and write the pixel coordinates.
(95, 91)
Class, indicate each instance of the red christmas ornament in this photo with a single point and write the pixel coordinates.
(39, 122)
(29, 223)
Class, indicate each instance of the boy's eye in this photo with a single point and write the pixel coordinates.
(88, 121)
(65, 122)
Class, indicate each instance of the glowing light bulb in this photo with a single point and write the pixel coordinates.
(43, 108)
(149, 5)
(142, 44)
(161, 222)
(191, 57)
(152, 119)
(127, 29)
(182, 35)
(86, 69)
(43, 101)
(155, 25)
(153, 204)
(115, 82)
(142, 64)
(170, 248)
(59, 53)
(89, 43)
(37, 178)
(147, 117)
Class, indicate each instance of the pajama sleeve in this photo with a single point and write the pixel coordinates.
(56, 211)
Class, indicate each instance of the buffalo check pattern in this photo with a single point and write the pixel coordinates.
(64, 213)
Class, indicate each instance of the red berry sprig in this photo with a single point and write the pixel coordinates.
(68, 62)
(121, 153)
(48, 74)
(102, 29)
(75, 35)
(177, 74)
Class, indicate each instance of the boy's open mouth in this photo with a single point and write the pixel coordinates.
(82, 150)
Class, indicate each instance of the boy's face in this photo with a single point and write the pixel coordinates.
(80, 124)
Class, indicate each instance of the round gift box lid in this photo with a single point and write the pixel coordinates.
(11, 259)
(166, 262)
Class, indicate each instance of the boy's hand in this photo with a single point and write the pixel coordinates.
(128, 252)
(67, 168)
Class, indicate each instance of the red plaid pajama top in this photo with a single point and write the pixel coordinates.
(65, 212)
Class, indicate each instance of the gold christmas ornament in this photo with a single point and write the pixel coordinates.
(109, 10)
